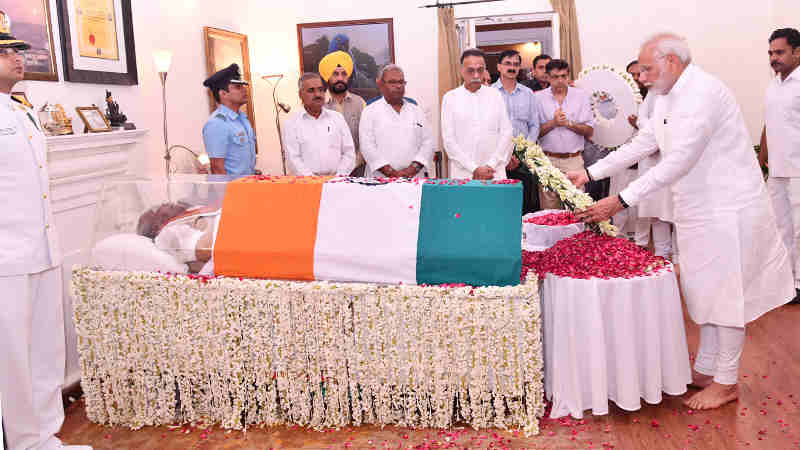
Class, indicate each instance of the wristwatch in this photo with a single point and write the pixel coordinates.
(416, 165)
(570, 124)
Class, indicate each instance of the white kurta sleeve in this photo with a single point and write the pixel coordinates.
(502, 153)
(426, 146)
(347, 162)
(690, 131)
(454, 151)
(368, 142)
(291, 144)
(641, 146)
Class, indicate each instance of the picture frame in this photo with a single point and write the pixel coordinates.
(112, 41)
(93, 118)
(224, 48)
(370, 42)
(32, 23)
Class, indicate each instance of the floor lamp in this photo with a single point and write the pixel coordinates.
(162, 60)
(278, 108)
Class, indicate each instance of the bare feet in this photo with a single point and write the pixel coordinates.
(713, 396)
(700, 381)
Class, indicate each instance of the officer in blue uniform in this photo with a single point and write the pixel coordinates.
(228, 136)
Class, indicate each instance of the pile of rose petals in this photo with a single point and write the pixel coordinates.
(590, 255)
(554, 219)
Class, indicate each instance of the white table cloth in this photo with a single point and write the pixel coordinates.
(618, 340)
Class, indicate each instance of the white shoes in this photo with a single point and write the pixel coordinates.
(55, 443)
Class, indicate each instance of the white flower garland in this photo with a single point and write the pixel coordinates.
(554, 180)
(158, 349)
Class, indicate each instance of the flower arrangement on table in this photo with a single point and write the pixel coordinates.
(245, 352)
(554, 180)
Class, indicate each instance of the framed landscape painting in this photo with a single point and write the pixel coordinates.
(369, 42)
(30, 22)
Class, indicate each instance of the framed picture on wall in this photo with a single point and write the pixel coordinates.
(369, 42)
(224, 48)
(97, 41)
(30, 22)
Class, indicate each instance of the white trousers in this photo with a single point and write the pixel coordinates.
(32, 357)
(785, 195)
(662, 234)
(720, 352)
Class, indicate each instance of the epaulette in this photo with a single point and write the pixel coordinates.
(21, 100)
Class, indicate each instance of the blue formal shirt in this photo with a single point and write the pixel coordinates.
(523, 110)
(228, 134)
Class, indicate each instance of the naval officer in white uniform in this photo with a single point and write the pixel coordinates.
(32, 348)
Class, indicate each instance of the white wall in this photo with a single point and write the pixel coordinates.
(728, 39)
(176, 25)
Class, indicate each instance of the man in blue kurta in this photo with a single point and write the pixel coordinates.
(228, 136)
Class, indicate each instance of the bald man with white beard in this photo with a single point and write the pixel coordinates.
(734, 267)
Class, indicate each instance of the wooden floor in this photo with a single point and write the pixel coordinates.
(767, 416)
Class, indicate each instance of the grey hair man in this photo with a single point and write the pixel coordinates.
(734, 267)
(317, 140)
(396, 139)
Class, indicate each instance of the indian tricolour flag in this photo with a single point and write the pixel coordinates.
(411, 232)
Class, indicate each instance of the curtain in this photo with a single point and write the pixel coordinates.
(449, 53)
(568, 32)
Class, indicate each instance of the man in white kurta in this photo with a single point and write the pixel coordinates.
(780, 141)
(734, 268)
(654, 211)
(476, 129)
(32, 346)
(317, 140)
(396, 140)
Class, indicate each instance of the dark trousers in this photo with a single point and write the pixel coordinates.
(530, 188)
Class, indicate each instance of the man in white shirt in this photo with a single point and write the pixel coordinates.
(475, 127)
(566, 119)
(32, 345)
(780, 141)
(734, 267)
(396, 140)
(317, 140)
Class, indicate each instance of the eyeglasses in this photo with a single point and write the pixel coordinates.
(396, 82)
(510, 64)
(643, 69)
(478, 70)
(11, 52)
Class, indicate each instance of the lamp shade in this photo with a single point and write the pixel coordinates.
(162, 60)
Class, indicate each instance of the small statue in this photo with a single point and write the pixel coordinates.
(116, 118)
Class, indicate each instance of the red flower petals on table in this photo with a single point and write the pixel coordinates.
(589, 255)
(554, 219)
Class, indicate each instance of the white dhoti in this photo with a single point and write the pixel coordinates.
(31, 357)
(785, 196)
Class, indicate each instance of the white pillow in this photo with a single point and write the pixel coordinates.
(128, 251)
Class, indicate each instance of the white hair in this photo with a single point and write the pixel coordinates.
(308, 76)
(670, 44)
(389, 68)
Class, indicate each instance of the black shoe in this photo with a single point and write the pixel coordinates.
(796, 299)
